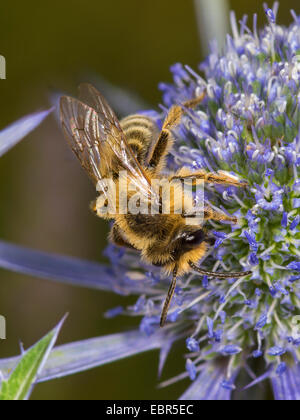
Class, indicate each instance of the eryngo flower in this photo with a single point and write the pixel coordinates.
(248, 125)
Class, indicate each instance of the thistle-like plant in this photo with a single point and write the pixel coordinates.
(248, 125)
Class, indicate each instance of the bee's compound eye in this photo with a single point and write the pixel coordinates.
(195, 238)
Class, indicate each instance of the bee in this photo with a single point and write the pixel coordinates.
(107, 147)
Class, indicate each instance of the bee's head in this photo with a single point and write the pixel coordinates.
(188, 239)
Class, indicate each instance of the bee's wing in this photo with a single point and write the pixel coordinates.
(115, 141)
(108, 138)
(81, 128)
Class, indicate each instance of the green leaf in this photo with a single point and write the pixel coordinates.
(21, 381)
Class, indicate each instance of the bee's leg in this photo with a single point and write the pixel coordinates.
(218, 274)
(156, 159)
(117, 238)
(209, 177)
(169, 298)
(165, 140)
(211, 214)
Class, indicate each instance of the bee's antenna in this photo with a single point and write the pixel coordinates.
(168, 298)
(220, 275)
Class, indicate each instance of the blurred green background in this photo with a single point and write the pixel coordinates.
(54, 45)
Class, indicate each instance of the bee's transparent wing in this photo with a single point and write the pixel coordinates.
(81, 128)
(118, 150)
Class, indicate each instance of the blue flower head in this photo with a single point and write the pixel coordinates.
(247, 125)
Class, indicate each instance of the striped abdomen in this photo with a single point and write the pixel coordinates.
(140, 132)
